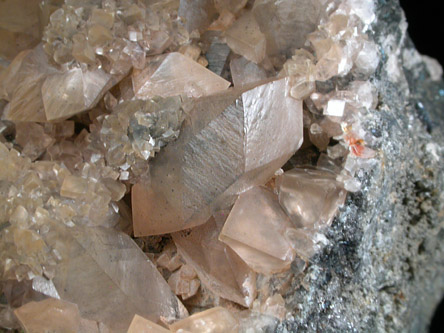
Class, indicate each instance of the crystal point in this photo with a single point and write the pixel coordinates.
(215, 320)
(255, 230)
(310, 197)
(176, 74)
(220, 152)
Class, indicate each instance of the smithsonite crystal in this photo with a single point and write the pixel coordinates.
(220, 153)
(255, 230)
(175, 74)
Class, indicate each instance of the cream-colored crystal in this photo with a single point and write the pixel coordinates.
(310, 197)
(221, 152)
(175, 74)
(255, 230)
(142, 325)
(50, 315)
(245, 38)
(215, 320)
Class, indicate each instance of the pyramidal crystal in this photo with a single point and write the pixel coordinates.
(220, 152)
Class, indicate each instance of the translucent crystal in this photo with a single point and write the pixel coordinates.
(245, 38)
(215, 320)
(255, 230)
(286, 23)
(310, 197)
(184, 282)
(175, 74)
(245, 72)
(53, 315)
(142, 325)
(220, 153)
(125, 281)
(219, 269)
(197, 14)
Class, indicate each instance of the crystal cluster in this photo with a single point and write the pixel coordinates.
(200, 116)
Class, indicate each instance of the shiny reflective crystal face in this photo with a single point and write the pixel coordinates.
(141, 147)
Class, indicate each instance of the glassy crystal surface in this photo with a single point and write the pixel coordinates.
(286, 23)
(219, 154)
(244, 37)
(142, 325)
(310, 197)
(255, 230)
(219, 269)
(50, 315)
(110, 266)
(217, 320)
(175, 74)
(245, 72)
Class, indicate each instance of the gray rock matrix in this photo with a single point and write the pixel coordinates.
(383, 270)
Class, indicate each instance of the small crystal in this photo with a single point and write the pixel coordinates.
(142, 325)
(49, 315)
(255, 230)
(245, 72)
(215, 320)
(175, 74)
(245, 38)
(310, 197)
(218, 268)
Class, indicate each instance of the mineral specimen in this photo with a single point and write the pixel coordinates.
(219, 154)
(111, 103)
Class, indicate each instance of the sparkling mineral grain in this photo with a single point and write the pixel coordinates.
(221, 152)
(176, 74)
(215, 320)
(255, 230)
(311, 197)
(219, 269)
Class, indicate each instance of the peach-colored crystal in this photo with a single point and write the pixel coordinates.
(220, 152)
(245, 38)
(310, 197)
(215, 320)
(49, 315)
(176, 74)
(219, 269)
(255, 230)
(142, 325)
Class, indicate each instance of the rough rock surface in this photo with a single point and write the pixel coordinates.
(384, 268)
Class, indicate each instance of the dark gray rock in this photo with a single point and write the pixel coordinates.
(384, 268)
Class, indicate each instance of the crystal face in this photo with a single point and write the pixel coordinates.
(217, 158)
(186, 111)
(255, 230)
(310, 197)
